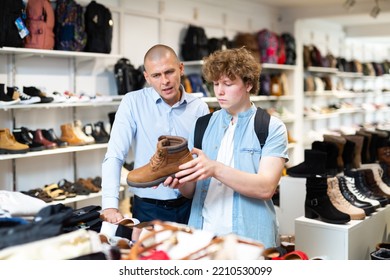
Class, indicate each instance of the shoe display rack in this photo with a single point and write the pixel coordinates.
(283, 106)
(352, 241)
(353, 99)
(24, 171)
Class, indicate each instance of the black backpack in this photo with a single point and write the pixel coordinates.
(127, 77)
(195, 45)
(261, 125)
(10, 10)
(99, 26)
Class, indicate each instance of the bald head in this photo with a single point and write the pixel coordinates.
(157, 52)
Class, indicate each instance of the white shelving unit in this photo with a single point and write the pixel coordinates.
(22, 172)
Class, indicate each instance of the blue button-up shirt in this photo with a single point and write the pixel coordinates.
(142, 117)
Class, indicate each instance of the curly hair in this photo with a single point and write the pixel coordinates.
(233, 63)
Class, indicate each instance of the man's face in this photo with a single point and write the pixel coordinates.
(164, 75)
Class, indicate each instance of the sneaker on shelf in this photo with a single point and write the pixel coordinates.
(27, 99)
(57, 97)
(33, 91)
(6, 98)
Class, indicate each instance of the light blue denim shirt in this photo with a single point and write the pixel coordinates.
(252, 218)
(142, 117)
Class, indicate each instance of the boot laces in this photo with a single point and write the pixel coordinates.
(157, 159)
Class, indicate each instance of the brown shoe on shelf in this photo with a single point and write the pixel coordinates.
(68, 134)
(87, 183)
(172, 151)
(9, 145)
(39, 138)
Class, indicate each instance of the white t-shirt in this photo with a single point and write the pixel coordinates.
(218, 205)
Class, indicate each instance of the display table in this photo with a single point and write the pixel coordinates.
(352, 241)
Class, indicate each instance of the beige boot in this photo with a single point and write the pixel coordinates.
(9, 145)
(78, 128)
(69, 135)
(172, 151)
(338, 201)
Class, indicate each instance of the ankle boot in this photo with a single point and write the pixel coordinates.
(340, 142)
(78, 129)
(6, 99)
(357, 155)
(69, 135)
(372, 184)
(331, 151)
(340, 202)
(385, 175)
(39, 138)
(318, 204)
(24, 136)
(9, 145)
(172, 151)
(351, 198)
(313, 165)
(379, 174)
(50, 135)
(361, 185)
(384, 155)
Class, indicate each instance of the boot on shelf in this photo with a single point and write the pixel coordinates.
(313, 165)
(352, 198)
(378, 171)
(331, 151)
(69, 135)
(341, 203)
(318, 204)
(348, 154)
(366, 156)
(361, 185)
(9, 145)
(357, 155)
(340, 142)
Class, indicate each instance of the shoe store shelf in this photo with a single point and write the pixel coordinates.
(81, 198)
(352, 241)
(55, 53)
(55, 151)
(60, 105)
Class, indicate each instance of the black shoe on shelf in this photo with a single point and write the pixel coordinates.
(50, 135)
(24, 136)
(33, 91)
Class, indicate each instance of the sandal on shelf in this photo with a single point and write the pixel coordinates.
(67, 187)
(55, 192)
(80, 189)
(39, 193)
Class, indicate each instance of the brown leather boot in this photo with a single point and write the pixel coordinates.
(357, 157)
(69, 135)
(172, 151)
(340, 142)
(9, 145)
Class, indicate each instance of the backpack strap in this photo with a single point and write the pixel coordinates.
(261, 123)
(200, 128)
(262, 119)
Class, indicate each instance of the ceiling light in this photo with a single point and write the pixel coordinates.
(376, 10)
(348, 4)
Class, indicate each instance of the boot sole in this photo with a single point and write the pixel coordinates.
(149, 184)
(6, 151)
